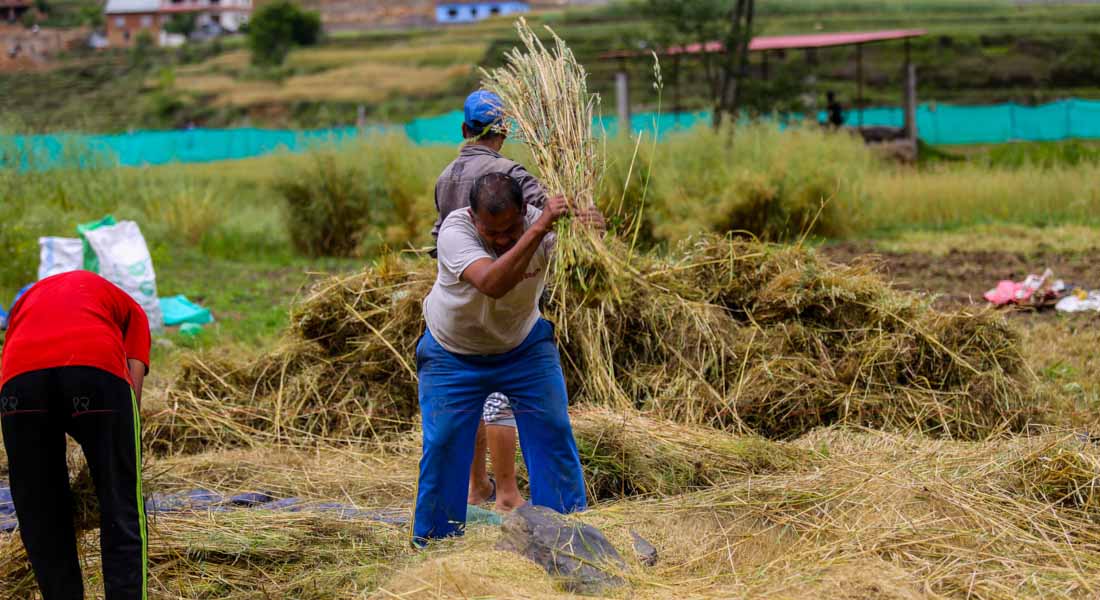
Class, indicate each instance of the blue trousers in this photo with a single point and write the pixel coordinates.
(453, 388)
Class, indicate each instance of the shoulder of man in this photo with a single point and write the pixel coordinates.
(458, 228)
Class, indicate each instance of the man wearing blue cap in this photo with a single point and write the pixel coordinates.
(483, 131)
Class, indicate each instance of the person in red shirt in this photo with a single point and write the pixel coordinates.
(73, 362)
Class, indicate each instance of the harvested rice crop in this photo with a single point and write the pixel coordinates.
(738, 335)
(343, 373)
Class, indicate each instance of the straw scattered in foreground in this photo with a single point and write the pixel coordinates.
(838, 513)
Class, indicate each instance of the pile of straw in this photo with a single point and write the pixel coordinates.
(344, 372)
(773, 339)
(734, 334)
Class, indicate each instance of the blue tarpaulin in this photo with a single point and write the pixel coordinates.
(936, 124)
(200, 500)
(179, 310)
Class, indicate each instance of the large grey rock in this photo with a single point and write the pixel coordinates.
(579, 554)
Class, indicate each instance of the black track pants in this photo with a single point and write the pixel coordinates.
(98, 410)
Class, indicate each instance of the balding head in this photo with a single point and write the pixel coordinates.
(498, 209)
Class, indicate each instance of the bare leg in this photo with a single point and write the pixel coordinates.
(480, 488)
(502, 449)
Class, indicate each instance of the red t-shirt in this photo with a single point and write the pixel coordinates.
(75, 319)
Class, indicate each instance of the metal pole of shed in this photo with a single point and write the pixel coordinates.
(622, 96)
(859, 77)
(910, 76)
(676, 108)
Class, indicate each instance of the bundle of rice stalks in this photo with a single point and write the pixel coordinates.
(548, 107)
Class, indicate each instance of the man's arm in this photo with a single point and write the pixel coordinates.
(495, 278)
(137, 377)
(136, 341)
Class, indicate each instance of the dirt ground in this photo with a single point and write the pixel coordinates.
(962, 277)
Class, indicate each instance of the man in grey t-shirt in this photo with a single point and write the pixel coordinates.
(485, 334)
(479, 156)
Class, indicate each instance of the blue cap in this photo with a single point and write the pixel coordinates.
(483, 109)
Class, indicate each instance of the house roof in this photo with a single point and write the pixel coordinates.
(464, 2)
(785, 42)
(116, 7)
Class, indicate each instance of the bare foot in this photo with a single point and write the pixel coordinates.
(508, 503)
(479, 492)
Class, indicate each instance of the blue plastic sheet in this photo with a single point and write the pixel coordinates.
(200, 500)
(179, 310)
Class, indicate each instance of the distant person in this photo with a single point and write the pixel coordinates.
(75, 357)
(485, 335)
(835, 110)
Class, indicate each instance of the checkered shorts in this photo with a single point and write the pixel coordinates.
(498, 411)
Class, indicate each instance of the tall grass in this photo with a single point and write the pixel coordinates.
(774, 184)
(891, 7)
(778, 185)
(955, 196)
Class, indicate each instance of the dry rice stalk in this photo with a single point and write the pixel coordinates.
(548, 106)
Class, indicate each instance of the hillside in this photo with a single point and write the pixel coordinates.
(976, 52)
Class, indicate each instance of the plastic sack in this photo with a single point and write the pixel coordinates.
(59, 255)
(124, 260)
(178, 310)
(91, 260)
(1080, 302)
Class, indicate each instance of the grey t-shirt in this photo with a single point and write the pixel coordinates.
(462, 319)
(452, 189)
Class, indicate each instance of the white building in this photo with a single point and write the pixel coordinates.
(127, 19)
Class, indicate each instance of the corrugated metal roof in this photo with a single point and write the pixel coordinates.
(116, 7)
(786, 42)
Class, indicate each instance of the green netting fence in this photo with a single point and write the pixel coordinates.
(937, 124)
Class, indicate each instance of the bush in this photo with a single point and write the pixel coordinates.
(328, 206)
(185, 212)
(279, 26)
(182, 24)
(772, 184)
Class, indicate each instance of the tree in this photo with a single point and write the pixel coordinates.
(92, 16)
(182, 24)
(680, 22)
(277, 27)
